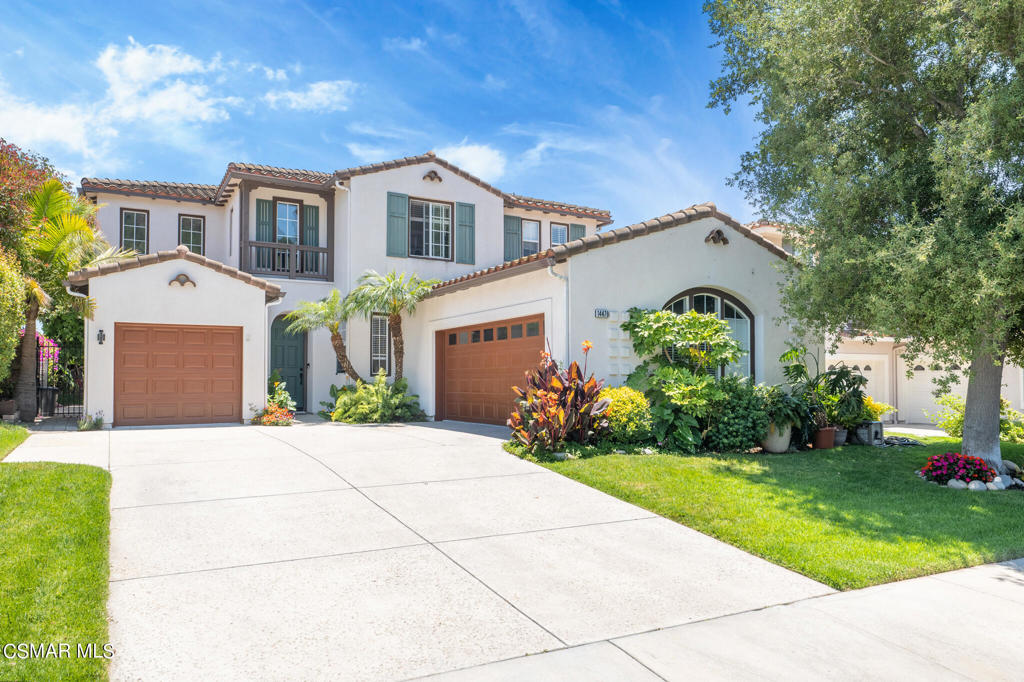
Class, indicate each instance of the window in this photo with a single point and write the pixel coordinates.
(430, 229)
(559, 233)
(287, 223)
(516, 331)
(380, 345)
(502, 333)
(135, 230)
(531, 237)
(190, 232)
(533, 328)
(728, 308)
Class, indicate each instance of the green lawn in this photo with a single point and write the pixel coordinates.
(54, 528)
(848, 517)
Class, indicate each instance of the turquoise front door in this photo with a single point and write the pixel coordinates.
(288, 357)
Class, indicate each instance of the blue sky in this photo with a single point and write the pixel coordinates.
(597, 103)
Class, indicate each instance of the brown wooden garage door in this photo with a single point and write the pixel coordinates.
(177, 374)
(478, 365)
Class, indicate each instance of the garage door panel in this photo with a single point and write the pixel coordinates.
(481, 363)
(176, 374)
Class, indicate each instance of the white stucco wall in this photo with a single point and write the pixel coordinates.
(648, 271)
(163, 223)
(142, 295)
(545, 219)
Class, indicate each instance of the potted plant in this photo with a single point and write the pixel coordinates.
(825, 434)
(784, 412)
(841, 390)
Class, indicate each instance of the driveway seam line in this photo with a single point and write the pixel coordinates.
(420, 535)
(453, 480)
(639, 662)
(542, 530)
(228, 499)
(266, 563)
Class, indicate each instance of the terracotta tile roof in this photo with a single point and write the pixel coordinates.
(562, 252)
(164, 190)
(429, 157)
(80, 278)
(296, 174)
(603, 217)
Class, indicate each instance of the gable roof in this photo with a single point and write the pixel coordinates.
(320, 181)
(187, 191)
(79, 279)
(562, 252)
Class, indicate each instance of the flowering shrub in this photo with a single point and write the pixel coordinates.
(273, 415)
(558, 405)
(950, 418)
(280, 397)
(629, 414)
(944, 468)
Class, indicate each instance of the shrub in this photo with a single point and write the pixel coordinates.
(273, 415)
(950, 418)
(279, 397)
(376, 403)
(558, 406)
(944, 468)
(628, 414)
(873, 410)
(90, 423)
(740, 420)
(12, 310)
(782, 408)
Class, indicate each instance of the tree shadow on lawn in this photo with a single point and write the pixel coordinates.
(875, 494)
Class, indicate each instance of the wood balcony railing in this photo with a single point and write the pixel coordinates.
(295, 261)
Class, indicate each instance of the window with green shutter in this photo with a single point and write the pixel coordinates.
(577, 231)
(264, 232)
(398, 225)
(465, 233)
(310, 237)
(513, 237)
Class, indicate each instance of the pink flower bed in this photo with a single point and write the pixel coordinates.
(946, 467)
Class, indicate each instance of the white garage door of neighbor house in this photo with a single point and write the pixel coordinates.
(916, 398)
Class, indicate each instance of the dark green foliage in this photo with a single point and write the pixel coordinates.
(739, 421)
(376, 403)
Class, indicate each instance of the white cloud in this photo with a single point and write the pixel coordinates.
(368, 153)
(492, 82)
(275, 74)
(33, 126)
(483, 161)
(407, 44)
(135, 68)
(321, 96)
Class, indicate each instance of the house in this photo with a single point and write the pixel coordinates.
(189, 330)
(909, 386)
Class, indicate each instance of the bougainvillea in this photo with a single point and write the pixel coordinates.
(944, 468)
(21, 173)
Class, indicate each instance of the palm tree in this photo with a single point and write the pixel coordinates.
(330, 312)
(59, 239)
(391, 294)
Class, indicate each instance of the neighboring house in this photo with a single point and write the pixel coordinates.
(189, 331)
(909, 387)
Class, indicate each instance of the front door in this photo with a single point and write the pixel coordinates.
(288, 357)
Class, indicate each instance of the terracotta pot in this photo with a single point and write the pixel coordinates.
(841, 434)
(777, 440)
(825, 438)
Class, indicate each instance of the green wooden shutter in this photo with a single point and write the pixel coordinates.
(398, 225)
(513, 237)
(465, 233)
(577, 231)
(264, 232)
(311, 237)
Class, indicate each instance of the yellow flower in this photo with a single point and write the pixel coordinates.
(587, 346)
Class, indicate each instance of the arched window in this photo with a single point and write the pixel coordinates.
(725, 307)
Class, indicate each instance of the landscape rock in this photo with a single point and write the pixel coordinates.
(977, 485)
(1019, 482)
(1004, 480)
(560, 456)
(956, 484)
(647, 451)
(619, 452)
(994, 486)
(1012, 468)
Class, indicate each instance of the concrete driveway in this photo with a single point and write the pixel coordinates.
(385, 552)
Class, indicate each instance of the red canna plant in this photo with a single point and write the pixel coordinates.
(558, 406)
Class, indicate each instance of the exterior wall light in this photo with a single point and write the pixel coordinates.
(100, 337)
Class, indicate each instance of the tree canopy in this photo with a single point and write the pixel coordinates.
(892, 142)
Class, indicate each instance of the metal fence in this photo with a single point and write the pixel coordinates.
(59, 382)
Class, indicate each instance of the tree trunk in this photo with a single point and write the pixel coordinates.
(981, 416)
(25, 389)
(339, 350)
(395, 325)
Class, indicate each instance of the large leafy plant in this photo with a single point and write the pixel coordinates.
(376, 403)
(558, 406)
(739, 421)
(700, 343)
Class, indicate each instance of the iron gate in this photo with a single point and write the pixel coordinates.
(59, 382)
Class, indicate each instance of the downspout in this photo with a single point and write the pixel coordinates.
(568, 335)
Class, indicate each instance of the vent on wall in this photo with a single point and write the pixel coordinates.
(433, 176)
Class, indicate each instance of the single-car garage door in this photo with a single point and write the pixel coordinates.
(177, 374)
(478, 365)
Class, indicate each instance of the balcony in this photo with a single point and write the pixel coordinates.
(294, 261)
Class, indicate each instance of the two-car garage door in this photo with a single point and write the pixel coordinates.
(177, 374)
(478, 365)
